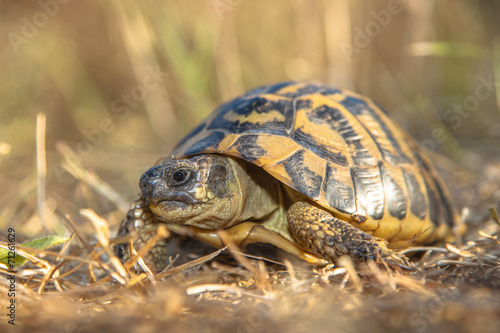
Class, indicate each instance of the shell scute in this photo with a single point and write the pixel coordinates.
(257, 114)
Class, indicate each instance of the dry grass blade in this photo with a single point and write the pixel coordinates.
(69, 221)
(73, 165)
(394, 280)
(291, 272)
(423, 249)
(352, 274)
(330, 271)
(41, 166)
(258, 274)
(199, 261)
(214, 287)
(101, 226)
(51, 274)
(161, 232)
(102, 229)
(145, 268)
(23, 291)
(494, 215)
(486, 235)
(462, 253)
(231, 289)
(445, 262)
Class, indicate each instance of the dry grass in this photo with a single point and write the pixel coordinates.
(452, 291)
(117, 85)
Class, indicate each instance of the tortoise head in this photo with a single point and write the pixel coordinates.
(201, 191)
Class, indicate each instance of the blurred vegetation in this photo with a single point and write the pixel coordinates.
(88, 66)
(104, 88)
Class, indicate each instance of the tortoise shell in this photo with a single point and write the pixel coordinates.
(339, 149)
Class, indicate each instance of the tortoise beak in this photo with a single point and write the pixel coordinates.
(152, 184)
(155, 189)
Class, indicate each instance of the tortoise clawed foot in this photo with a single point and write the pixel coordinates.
(395, 259)
(331, 238)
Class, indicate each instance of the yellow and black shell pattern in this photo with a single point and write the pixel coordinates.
(339, 149)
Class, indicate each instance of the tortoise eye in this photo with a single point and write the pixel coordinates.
(179, 177)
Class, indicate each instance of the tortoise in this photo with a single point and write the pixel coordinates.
(316, 171)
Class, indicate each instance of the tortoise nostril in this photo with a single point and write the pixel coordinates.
(148, 178)
(146, 186)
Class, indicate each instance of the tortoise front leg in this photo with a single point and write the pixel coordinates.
(331, 238)
(139, 219)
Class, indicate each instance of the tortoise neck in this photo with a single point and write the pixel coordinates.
(259, 192)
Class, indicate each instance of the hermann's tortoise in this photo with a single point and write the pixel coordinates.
(316, 171)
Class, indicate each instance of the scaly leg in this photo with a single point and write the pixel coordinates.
(331, 238)
(138, 218)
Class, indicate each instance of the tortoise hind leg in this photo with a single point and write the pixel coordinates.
(331, 238)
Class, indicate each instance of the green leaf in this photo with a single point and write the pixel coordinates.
(40, 244)
(44, 243)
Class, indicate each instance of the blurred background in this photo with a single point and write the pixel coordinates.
(115, 84)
